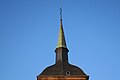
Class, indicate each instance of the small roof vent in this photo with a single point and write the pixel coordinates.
(68, 73)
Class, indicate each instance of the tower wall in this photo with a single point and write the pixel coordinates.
(63, 77)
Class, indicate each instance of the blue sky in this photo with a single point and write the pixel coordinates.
(29, 32)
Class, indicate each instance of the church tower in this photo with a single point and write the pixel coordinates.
(62, 69)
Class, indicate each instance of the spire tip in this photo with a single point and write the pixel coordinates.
(60, 14)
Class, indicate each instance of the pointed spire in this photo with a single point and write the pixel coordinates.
(61, 38)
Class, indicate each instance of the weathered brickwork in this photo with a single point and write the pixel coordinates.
(62, 77)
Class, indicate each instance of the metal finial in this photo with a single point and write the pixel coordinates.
(60, 14)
